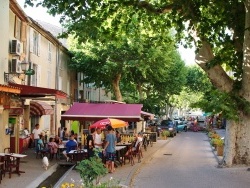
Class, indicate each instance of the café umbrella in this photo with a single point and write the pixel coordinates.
(115, 123)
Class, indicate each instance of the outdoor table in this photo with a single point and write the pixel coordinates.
(128, 144)
(61, 147)
(18, 158)
(81, 150)
(120, 153)
(78, 155)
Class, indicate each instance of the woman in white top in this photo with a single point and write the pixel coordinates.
(98, 138)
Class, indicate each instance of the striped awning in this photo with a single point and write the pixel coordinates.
(39, 108)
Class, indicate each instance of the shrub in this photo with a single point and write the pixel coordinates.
(91, 169)
(165, 133)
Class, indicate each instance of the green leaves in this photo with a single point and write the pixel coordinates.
(90, 170)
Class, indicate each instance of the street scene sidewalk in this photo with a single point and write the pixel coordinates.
(34, 173)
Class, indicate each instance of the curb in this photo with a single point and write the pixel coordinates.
(59, 182)
(42, 177)
(219, 161)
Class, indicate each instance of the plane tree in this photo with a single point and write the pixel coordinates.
(219, 30)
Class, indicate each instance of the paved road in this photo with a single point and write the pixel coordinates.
(188, 161)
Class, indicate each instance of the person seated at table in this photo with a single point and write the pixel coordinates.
(58, 140)
(41, 145)
(138, 139)
(53, 147)
(118, 137)
(70, 145)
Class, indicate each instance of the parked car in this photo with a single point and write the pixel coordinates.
(168, 125)
(181, 126)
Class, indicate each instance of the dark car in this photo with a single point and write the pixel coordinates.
(168, 125)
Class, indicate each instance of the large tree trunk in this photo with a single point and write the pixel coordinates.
(237, 142)
(116, 87)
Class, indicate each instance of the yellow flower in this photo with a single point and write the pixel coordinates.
(72, 185)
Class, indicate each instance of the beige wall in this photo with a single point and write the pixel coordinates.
(4, 33)
(4, 139)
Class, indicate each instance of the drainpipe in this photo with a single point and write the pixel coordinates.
(56, 87)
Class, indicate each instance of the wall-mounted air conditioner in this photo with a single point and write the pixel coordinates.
(15, 66)
(15, 47)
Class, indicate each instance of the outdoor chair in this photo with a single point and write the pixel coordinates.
(129, 155)
(145, 142)
(138, 152)
(10, 164)
(42, 151)
(1, 171)
(53, 152)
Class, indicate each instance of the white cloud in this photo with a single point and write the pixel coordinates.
(39, 13)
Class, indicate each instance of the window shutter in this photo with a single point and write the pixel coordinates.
(39, 44)
(23, 32)
(17, 28)
(31, 39)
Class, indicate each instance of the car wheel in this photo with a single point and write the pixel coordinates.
(185, 128)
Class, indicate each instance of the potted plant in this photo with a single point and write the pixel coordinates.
(220, 147)
(165, 134)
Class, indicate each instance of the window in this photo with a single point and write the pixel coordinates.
(49, 51)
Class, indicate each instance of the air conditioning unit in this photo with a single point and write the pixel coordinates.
(15, 66)
(15, 47)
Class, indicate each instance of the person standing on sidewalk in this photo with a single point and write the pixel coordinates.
(90, 143)
(109, 149)
(98, 141)
(36, 135)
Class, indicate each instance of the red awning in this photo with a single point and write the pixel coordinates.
(32, 91)
(15, 111)
(97, 111)
(38, 108)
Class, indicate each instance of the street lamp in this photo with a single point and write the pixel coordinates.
(26, 70)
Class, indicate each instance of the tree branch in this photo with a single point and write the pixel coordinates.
(216, 74)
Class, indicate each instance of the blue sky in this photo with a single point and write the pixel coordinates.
(40, 13)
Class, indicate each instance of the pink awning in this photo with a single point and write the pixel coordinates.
(97, 111)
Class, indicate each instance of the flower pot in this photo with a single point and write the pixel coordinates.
(220, 150)
(163, 137)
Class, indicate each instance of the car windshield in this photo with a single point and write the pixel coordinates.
(167, 123)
